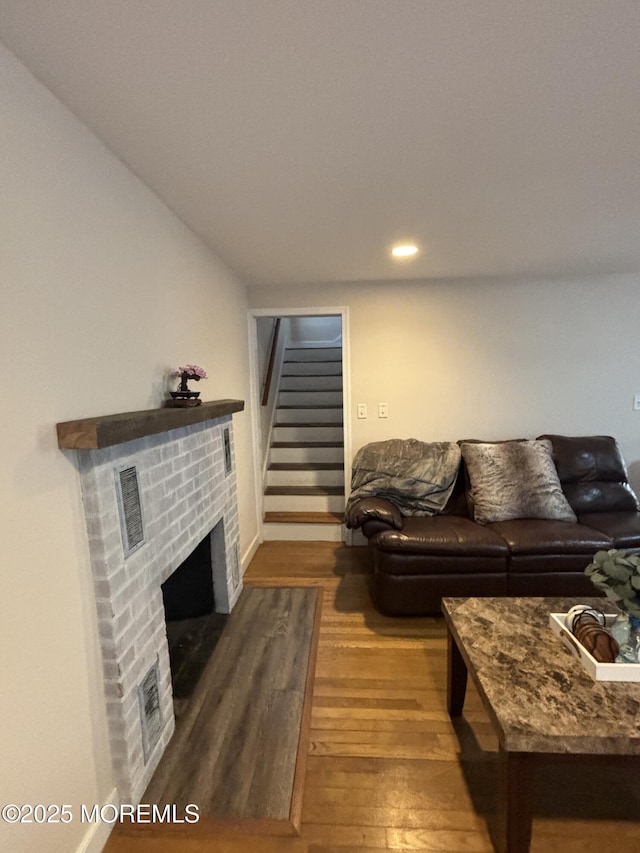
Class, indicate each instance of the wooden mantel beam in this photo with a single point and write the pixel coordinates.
(94, 433)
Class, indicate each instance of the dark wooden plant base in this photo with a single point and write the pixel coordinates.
(182, 403)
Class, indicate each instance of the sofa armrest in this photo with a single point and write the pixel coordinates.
(374, 509)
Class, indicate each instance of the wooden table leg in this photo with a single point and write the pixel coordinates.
(514, 801)
(456, 678)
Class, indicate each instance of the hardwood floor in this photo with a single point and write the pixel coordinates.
(387, 770)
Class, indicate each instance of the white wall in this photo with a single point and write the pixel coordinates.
(316, 331)
(489, 359)
(103, 291)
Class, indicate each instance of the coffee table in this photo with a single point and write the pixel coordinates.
(539, 699)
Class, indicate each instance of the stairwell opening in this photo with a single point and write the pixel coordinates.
(302, 425)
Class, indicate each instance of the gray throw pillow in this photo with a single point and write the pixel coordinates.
(514, 479)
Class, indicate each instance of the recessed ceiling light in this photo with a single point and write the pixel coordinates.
(405, 251)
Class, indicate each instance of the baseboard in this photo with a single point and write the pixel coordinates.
(98, 833)
(249, 554)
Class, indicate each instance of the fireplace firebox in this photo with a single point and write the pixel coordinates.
(188, 592)
(193, 626)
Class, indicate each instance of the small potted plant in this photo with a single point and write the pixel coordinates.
(617, 574)
(183, 396)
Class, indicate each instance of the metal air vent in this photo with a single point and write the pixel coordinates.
(228, 464)
(130, 509)
(235, 567)
(150, 712)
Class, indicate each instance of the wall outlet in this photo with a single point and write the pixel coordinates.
(636, 403)
(383, 410)
(362, 410)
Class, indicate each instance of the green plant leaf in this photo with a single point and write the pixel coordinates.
(618, 569)
(612, 594)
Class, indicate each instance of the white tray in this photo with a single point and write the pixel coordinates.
(597, 671)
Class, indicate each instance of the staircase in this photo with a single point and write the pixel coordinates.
(304, 494)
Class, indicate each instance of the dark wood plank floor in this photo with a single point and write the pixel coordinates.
(387, 770)
(235, 749)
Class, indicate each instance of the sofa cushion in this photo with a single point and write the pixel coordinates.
(622, 527)
(589, 457)
(403, 564)
(593, 474)
(514, 480)
(443, 536)
(557, 582)
(594, 497)
(399, 592)
(540, 536)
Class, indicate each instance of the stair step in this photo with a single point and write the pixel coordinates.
(304, 490)
(307, 455)
(306, 476)
(301, 355)
(310, 398)
(331, 415)
(308, 424)
(311, 382)
(313, 354)
(304, 502)
(306, 444)
(304, 517)
(297, 532)
(319, 348)
(306, 466)
(308, 432)
(313, 368)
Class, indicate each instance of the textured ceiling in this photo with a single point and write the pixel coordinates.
(300, 138)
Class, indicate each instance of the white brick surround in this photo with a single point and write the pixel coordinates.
(184, 491)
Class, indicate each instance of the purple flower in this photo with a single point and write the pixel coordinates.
(192, 371)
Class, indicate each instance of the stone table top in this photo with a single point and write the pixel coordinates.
(539, 696)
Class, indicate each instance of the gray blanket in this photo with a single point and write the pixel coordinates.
(417, 477)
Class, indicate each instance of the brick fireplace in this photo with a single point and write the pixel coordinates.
(149, 502)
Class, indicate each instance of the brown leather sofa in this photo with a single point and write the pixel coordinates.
(417, 560)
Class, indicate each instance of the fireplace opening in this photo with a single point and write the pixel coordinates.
(193, 626)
